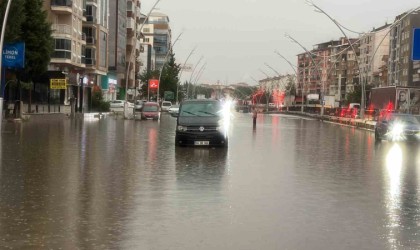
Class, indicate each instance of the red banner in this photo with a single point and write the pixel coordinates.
(153, 84)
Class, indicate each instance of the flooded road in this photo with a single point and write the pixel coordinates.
(290, 184)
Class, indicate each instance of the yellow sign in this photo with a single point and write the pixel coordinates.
(58, 83)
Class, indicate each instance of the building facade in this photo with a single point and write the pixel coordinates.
(117, 48)
(374, 47)
(402, 71)
(68, 59)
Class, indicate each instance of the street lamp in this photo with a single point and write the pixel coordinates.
(296, 73)
(315, 65)
(191, 76)
(3, 30)
(182, 70)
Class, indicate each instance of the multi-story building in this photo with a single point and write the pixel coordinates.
(374, 46)
(96, 53)
(330, 69)
(161, 37)
(344, 69)
(402, 71)
(314, 68)
(67, 60)
(147, 54)
(117, 48)
(132, 47)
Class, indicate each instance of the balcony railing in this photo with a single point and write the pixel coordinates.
(63, 3)
(61, 29)
(90, 61)
(90, 40)
(90, 19)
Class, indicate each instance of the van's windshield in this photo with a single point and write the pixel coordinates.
(201, 109)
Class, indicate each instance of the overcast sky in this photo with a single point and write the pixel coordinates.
(237, 37)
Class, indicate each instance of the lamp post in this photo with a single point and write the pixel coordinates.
(192, 74)
(182, 70)
(166, 60)
(315, 65)
(296, 73)
(319, 10)
(3, 30)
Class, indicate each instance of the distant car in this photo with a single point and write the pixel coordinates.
(166, 105)
(397, 127)
(173, 110)
(150, 110)
(117, 104)
(138, 105)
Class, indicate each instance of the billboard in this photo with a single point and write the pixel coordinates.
(14, 55)
(416, 45)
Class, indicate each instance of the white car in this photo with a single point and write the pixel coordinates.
(117, 104)
(166, 105)
(174, 110)
(120, 104)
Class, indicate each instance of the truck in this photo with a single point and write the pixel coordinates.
(395, 99)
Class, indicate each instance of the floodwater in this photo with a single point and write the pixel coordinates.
(291, 183)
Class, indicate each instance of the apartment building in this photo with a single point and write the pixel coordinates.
(402, 71)
(374, 48)
(330, 69)
(157, 33)
(313, 70)
(147, 53)
(68, 59)
(117, 49)
(132, 47)
(96, 53)
(344, 69)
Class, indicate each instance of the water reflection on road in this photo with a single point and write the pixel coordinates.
(291, 183)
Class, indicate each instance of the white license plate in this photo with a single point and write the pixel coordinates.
(201, 143)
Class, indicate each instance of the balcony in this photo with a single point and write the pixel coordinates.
(61, 30)
(91, 19)
(62, 6)
(90, 40)
(90, 61)
(131, 25)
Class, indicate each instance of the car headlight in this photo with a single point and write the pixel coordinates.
(396, 130)
(182, 128)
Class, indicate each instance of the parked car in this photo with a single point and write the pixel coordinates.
(173, 110)
(166, 105)
(150, 110)
(201, 123)
(120, 104)
(117, 104)
(397, 127)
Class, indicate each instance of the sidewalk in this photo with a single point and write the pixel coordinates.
(357, 123)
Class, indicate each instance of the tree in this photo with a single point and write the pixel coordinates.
(170, 76)
(243, 93)
(15, 20)
(36, 32)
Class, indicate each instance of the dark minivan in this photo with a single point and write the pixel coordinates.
(201, 123)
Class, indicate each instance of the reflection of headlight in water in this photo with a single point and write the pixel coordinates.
(396, 132)
(226, 115)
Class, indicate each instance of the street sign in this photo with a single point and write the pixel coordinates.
(153, 84)
(14, 55)
(416, 45)
(58, 83)
(168, 95)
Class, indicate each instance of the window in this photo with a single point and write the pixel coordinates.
(62, 49)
